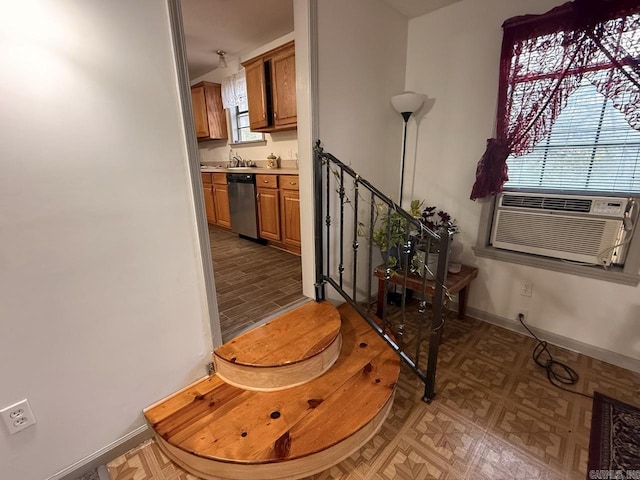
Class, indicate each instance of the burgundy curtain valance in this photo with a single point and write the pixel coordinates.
(543, 61)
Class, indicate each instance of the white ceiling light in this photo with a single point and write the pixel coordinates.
(222, 61)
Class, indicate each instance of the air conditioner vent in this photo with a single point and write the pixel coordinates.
(585, 229)
(582, 236)
(559, 204)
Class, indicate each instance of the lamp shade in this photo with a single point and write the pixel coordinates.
(407, 102)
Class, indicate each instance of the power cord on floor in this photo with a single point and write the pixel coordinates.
(558, 373)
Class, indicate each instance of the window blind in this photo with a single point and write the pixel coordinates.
(590, 149)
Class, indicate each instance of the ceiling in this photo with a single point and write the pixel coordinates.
(415, 8)
(235, 26)
(239, 26)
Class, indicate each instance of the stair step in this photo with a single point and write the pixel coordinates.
(219, 431)
(290, 350)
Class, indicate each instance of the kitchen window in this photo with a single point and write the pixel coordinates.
(240, 127)
(234, 100)
(567, 122)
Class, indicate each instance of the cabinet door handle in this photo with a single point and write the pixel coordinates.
(257, 197)
(266, 181)
(292, 183)
(275, 115)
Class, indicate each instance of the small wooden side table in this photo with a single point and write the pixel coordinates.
(456, 283)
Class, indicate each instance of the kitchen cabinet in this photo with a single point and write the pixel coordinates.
(283, 87)
(208, 115)
(268, 207)
(279, 210)
(207, 187)
(257, 95)
(290, 212)
(271, 90)
(221, 199)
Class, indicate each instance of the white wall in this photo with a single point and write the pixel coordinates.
(101, 284)
(282, 144)
(361, 65)
(455, 61)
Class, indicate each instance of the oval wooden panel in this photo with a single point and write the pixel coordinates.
(302, 429)
(295, 336)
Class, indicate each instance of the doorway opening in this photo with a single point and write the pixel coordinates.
(253, 281)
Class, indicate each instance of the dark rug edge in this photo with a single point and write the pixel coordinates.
(595, 435)
(600, 422)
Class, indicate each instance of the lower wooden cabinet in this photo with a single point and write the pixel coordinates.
(269, 213)
(221, 199)
(278, 200)
(290, 214)
(279, 210)
(216, 199)
(207, 190)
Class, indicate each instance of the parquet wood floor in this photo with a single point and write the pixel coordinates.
(495, 416)
(253, 281)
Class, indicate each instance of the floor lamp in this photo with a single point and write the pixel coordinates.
(405, 104)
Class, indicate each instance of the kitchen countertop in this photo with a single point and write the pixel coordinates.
(257, 170)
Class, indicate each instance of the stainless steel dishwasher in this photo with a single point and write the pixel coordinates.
(242, 204)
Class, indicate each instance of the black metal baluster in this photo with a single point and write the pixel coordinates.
(387, 273)
(405, 249)
(356, 193)
(341, 194)
(317, 193)
(437, 323)
(370, 253)
(327, 220)
(422, 309)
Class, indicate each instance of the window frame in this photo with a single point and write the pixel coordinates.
(532, 26)
(235, 129)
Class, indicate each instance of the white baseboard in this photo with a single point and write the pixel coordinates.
(598, 353)
(104, 455)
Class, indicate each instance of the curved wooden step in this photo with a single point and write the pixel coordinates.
(292, 349)
(218, 431)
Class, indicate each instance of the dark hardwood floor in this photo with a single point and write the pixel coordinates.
(253, 281)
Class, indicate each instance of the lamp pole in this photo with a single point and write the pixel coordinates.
(405, 116)
(405, 104)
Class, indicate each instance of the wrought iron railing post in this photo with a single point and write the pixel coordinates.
(355, 245)
(330, 183)
(317, 200)
(438, 321)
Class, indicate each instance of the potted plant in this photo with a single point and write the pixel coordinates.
(427, 254)
(390, 233)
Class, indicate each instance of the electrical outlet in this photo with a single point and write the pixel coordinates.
(525, 315)
(18, 416)
(526, 288)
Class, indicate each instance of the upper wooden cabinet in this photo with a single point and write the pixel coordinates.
(283, 87)
(209, 117)
(257, 95)
(271, 90)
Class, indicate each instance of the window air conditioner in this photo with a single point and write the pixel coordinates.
(578, 228)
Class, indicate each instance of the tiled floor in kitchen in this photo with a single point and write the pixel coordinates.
(253, 281)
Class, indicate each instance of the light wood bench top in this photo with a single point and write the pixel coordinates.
(292, 337)
(214, 420)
